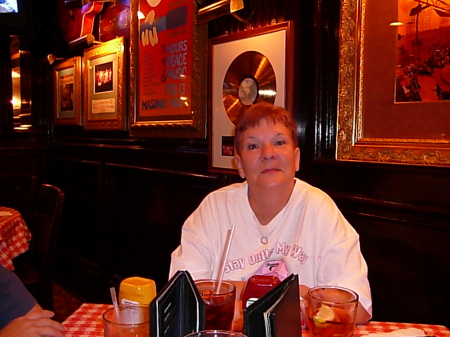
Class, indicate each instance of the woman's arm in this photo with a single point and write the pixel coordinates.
(37, 312)
(35, 323)
(362, 316)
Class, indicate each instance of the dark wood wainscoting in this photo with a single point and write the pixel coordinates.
(21, 160)
(120, 219)
(409, 265)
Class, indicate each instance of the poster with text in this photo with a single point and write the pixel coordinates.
(165, 60)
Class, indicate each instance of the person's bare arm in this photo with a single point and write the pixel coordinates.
(37, 312)
(362, 316)
(35, 323)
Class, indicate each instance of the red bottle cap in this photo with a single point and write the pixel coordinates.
(256, 287)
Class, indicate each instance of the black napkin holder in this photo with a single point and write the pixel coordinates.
(178, 308)
(277, 313)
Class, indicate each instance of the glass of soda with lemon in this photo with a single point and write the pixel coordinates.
(331, 311)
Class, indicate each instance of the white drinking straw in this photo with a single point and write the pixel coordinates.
(115, 304)
(226, 250)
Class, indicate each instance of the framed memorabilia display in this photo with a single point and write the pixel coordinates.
(169, 65)
(394, 91)
(67, 92)
(104, 86)
(246, 68)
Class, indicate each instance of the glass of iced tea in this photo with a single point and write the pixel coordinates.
(129, 321)
(219, 303)
(331, 311)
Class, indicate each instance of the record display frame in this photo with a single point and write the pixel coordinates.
(276, 44)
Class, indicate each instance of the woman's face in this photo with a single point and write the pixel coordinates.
(268, 157)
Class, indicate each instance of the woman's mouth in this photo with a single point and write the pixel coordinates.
(273, 169)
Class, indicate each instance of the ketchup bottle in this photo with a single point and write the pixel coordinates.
(257, 286)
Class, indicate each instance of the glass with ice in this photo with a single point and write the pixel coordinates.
(128, 321)
(331, 311)
(219, 303)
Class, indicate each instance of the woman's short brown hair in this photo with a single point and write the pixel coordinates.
(259, 111)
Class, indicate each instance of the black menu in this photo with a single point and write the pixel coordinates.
(178, 309)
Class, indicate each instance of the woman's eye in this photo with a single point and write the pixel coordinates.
(280, 142)
(251, 146)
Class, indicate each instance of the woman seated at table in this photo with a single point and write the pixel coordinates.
(280, 221)
(20, 315)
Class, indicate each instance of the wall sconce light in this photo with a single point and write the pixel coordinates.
(52, 58)
(218, 9)
(82, 42)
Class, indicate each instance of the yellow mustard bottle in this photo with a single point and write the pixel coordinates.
(137, 290)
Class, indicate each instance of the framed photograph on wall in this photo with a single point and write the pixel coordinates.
(104, 86)
(170, 51)
(246, 67)
(67, 92)
(394, 84)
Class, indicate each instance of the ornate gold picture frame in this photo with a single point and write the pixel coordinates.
(168, 70)
(67, 92)
(104, 86)
(371, 126)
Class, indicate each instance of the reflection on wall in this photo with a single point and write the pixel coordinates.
(21, 86)
(16, 100)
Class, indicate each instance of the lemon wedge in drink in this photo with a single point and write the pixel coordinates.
(323, 315)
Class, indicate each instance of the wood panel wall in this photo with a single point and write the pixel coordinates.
(126, 199)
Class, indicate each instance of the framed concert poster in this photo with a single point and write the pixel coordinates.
(104, 86)
(394, 83)
(169, 68)
(67, 92)
(246, 67)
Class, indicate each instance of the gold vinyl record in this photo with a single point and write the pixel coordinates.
(250, 79)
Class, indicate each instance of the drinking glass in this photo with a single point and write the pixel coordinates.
(215, 333)
(331, 311)
(131, 321)
(219, 304)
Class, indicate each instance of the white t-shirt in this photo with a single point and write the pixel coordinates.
(310, 234)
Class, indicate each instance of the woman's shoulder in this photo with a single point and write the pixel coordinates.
(304, 191)
(230, 190)
(304, 187)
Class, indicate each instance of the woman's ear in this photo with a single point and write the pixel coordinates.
(238, 161)
(297, 159)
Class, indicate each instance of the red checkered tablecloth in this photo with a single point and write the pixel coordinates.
(87, 321)
(380, 327)
(14, 236)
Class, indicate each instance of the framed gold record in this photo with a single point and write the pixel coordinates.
(250, 78)
(246, 67)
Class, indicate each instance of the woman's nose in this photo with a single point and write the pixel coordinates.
(268, 151)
